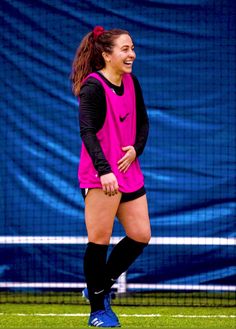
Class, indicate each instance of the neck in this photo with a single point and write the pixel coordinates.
(114, 78)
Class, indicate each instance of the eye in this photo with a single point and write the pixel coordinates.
(127, 49)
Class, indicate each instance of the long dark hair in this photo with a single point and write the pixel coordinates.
(88, 57)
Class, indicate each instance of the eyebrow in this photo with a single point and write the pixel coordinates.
(125, 45)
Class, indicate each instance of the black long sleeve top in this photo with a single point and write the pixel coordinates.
(92, 113)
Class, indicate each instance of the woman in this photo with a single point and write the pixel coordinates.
(114, 130)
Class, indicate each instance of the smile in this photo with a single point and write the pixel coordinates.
(128, 62)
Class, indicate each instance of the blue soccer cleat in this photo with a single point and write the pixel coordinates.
(102, 319)
(107, 305)
(85, 294)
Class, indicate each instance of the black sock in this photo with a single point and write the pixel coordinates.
(121, 257)
(94, 271)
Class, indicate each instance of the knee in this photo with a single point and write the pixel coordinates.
(144, 236)
(98, 237)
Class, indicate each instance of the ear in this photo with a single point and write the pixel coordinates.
(106, 57)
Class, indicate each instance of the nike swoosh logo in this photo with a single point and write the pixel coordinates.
(98, 292)
(122, 119)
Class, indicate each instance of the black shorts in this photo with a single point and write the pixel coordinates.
(125, 196)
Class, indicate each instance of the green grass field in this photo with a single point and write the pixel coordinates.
(76, 316)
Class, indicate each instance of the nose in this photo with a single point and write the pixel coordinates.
(132, 53)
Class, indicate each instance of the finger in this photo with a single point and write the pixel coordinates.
(126, 162)
(122, 159)
(126, 148)
(115, 191)
(104, 188)
(123, 165)
(108, 192)
(112, 190)
(126, 168)
(116, 188)
(112, 193)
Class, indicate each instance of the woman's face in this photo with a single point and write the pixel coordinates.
(122, 57)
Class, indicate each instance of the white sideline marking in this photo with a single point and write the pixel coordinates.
(197, 241)
(122, 315)
(128, 286)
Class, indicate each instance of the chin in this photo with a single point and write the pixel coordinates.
(128, 70)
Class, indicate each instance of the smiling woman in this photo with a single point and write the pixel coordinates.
(114, 130)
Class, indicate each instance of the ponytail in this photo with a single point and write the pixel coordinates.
(87, 59)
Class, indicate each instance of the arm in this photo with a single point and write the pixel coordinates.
(142, 127)
(92, 112)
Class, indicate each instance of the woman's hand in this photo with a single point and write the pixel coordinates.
(127, 159)
(109, 184)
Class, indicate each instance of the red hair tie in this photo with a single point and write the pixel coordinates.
(98, 30)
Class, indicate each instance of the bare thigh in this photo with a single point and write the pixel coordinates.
(100, 212)
(134, 217)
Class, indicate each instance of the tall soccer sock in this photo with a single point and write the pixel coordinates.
(94, 270)
(120, 259)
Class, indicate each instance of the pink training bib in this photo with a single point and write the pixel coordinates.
(119, 130)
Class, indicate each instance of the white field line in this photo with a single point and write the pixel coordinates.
(117, 285)
(121, 315)
(197, 241)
